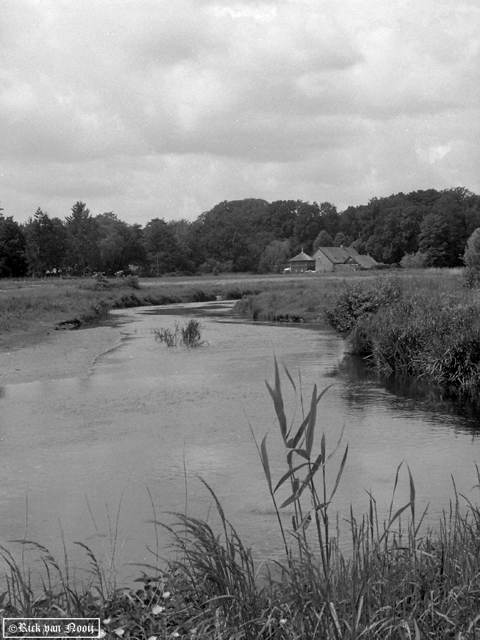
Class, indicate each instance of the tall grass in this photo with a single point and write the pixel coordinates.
(188, 335)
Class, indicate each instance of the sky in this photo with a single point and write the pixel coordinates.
(164, 108)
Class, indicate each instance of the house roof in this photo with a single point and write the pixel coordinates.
(351, 252)
(342, 255)
(337, 255)
(366, 261)
(301, 257)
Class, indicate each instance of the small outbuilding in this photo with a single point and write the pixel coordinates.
(301, 263)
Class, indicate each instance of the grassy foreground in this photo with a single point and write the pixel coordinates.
(394, 583)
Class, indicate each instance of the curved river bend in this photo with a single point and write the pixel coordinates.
(94, 459)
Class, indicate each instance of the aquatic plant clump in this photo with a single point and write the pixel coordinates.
(188, 335)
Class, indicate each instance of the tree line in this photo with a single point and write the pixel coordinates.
(422, 228)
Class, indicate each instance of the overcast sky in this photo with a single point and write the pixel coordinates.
(163, 108)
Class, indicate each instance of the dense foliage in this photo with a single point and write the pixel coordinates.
(422, 228)
(416, 329)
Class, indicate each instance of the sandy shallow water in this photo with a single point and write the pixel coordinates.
(62, 354)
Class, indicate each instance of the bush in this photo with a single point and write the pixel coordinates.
(413, 260)
(360, 299)
(433, 339)
(471, 259)
(133, 282)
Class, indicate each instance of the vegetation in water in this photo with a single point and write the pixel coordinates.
(396, 582)
(188, 335)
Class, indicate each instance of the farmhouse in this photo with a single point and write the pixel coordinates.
(341, 258)
(302, 262)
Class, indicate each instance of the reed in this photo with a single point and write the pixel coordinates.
(188, 335)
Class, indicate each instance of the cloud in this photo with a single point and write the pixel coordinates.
(183, 103)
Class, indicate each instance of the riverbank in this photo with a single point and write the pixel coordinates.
(44, 324)
(419, 325)
(31, 310)
(46, 355)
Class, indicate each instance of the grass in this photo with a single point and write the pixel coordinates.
(396, 582)
(188, 335)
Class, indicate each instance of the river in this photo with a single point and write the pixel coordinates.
(97, 459)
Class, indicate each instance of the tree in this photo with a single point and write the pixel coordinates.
(13, 262)
(274, 257)
(182, 230)
(443, 235)
(324, 239)
(120, 246)
(330, 218)
(46, 243)
(83, 255)
(471, 258)
(163, 250)
(231, 236)
(341, 240)
(349, 223)
(308, 225)
(280, 218)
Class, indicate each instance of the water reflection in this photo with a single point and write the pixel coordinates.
(364, 387)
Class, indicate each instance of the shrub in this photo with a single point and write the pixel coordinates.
(413, 260)
(434, 339)
(471, 259)
(359, 299)
(133, 282)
